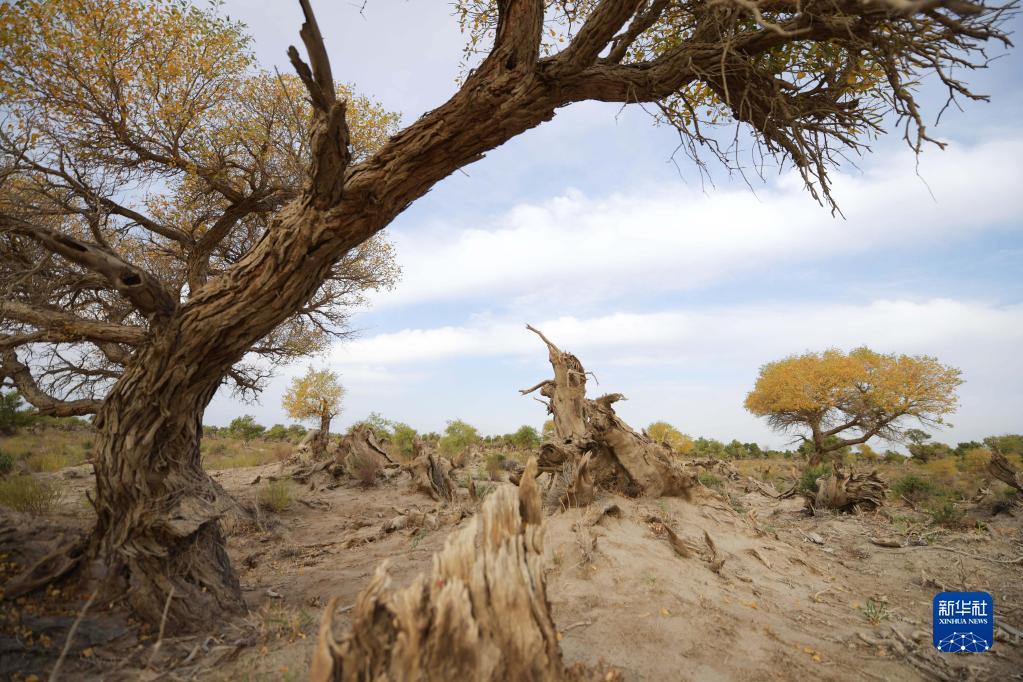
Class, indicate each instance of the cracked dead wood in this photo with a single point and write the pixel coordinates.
(617, 457)
(847, 492)
(358, 446)
(483, 613)
(1000, 468)
(431, 474)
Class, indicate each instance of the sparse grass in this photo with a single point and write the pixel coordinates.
(30, 494)
(712, 481)
(365, 470)
(6, 463)
(231, 453)
(276, 496)
(280, 622)
(876, 611)
(493, 465)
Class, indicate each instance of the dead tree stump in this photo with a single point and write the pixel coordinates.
(1000, 468)
(847, 492)
(431, 474)
(482, 615)
(620, 458)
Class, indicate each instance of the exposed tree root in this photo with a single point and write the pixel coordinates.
(840, 491)
(617, 457)
(361, 444)
(483, 614)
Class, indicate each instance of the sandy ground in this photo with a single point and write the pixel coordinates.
(795, 597)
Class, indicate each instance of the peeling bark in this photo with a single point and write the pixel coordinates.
(483, 614)
(617, 457)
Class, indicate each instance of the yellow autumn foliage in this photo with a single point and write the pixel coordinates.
(314, 396)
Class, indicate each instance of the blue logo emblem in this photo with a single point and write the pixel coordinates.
(964, 622)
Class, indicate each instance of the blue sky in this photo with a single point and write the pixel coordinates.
(673, 291)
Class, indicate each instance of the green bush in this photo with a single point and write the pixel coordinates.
(30, 494)
(245, 427)
(808, 481)
(947, 515)
(276, 496)
(12, 416)
(913, 488)
(277, 432)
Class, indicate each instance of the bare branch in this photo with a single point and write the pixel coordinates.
(18, 373)
(517, 43)
(60, 326)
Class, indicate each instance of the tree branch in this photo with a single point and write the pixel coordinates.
(143, 290)
(519, 27)
(18, 373)
(59, 326)
(330, 136)
(601, 26)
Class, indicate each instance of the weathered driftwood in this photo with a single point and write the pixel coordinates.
(850, 492)
(431, 474)
(481, 615)
(1002, 469)
(620, 458)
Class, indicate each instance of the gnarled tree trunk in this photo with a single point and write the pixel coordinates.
(619, 458)
(1000, 468)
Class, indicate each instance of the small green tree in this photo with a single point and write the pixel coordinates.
(526, 438)
(245, 427)
(12, 416)
(458, 436)
(403, 437)
(277, 432)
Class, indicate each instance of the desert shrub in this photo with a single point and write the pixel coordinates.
(946, 514)
(808, 481)
(30, 494)
(365, 469)
(913, 488)
(943, 472)
(50, 461)
(6, 463)
(974, 461)
(493, 465)
(275, 496)
(296, 432)
(281, 451)
(403, 438)
(711, 481)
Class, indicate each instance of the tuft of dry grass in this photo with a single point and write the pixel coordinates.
(276, 496)
(30, 494)
(365, 470)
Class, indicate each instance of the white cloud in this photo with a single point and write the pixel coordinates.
(672, 238)
(694, 367)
